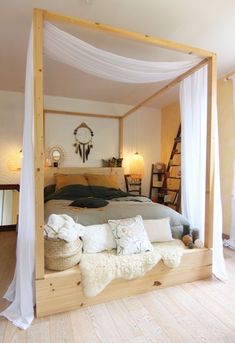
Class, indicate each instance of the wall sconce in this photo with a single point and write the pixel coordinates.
(14, 162)
(137, 166)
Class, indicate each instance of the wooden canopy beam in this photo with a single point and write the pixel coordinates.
(229, 75)
(95, 115)
(145, 38)
(167, 87)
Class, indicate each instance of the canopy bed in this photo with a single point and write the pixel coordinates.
(61, 291)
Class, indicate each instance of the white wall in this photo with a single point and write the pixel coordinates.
(81, 105)
(11, 128)
(59, 130)
(142, 133)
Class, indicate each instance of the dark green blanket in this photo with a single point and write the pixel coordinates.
(75, 192)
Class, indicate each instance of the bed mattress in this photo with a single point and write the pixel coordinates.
(114, 210)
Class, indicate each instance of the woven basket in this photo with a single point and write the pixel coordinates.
(61, 255)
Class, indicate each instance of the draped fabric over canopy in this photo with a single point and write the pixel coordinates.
(65, 48)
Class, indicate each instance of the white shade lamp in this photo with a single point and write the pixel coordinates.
(137, 166)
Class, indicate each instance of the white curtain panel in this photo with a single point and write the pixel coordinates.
(63, 47)
(230, 243)
(218, 265)
(21, 290)
(193, 105)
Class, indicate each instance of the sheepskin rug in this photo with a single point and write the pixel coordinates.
(99, 269)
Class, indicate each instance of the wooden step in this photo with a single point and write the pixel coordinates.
(173, 177)
(171, 189)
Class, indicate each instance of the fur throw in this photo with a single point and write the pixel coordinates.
(99, 269)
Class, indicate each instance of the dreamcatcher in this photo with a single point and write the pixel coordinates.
(83, 141)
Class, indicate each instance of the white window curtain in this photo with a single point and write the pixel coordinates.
(68, 49)
(231, 241)
(193, 106)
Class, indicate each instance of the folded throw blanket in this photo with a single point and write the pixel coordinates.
(63, 227)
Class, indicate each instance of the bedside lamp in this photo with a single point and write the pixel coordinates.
(137, 166)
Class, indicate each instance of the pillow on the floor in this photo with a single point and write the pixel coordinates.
(98, 238)
(158, 230)
(89, 202)
(130, 235)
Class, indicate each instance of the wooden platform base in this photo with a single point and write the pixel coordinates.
(62, 291)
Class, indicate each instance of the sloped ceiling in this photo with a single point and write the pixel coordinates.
(205, 24)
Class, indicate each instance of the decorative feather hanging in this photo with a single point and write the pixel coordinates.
(83, 141)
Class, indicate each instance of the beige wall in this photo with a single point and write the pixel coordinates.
(169, 128)
(226, 117)
(142, 133)
(227, 147)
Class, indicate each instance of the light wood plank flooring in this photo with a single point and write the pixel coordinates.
(202, 311)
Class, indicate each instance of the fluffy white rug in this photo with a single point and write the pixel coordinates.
(99, 269)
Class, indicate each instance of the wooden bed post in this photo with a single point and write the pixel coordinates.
(38, 141)
(121, 127)
(210, 158)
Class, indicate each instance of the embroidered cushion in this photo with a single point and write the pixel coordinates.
(130, 235)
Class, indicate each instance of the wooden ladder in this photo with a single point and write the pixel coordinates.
(172, 179)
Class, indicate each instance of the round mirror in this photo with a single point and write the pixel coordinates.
(55, 155)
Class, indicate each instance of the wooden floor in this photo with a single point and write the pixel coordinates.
(202, 311)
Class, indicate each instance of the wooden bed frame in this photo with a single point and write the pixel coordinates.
(61, 291)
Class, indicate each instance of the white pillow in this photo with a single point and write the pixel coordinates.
(130, 235)
(158, 230)
(98, 238)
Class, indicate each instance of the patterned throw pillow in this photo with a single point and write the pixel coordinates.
(130, 235)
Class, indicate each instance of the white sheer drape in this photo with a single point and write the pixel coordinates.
(231, 241)
(63, 47)
(70, 50)
(193, 105)
(218, 265)
(21, 290)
